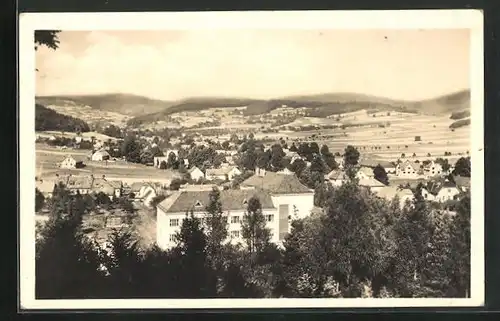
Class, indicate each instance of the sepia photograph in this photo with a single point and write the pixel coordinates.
(255, 159)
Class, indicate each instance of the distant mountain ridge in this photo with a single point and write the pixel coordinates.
(146, 110)
(126, 104)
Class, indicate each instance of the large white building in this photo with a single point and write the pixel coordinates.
(286, 190)
(172, 211)
(283, 199)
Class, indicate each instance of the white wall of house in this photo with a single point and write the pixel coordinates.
(447, 194)
(168, 224)
(406, 170)
(232, 173)
(68, 162)
(304, 203)
(196, 174)
(427, 196)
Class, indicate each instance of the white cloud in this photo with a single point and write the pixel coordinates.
(257, 64)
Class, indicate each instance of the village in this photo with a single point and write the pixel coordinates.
(180, 180)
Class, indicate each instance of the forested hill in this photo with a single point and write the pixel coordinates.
(48, 119)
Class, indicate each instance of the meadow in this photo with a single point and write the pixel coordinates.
(48, 159)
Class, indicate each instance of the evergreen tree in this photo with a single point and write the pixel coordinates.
(131, 149)
(460, 248)
(67, 264)
(196, 275)
(253, 228)
(380, 174)
(216, 229)
(39, 200)
(124, 265)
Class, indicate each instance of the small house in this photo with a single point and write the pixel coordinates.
(195, 173)
(448, 191)
(222, 173)
(407, 169)
(100, 155)
(72, 162)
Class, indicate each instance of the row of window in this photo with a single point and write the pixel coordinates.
(235, 219)
(233, 234)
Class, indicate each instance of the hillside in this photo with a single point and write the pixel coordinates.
(47, 119)
(124, 104)
(190, 105)
(319, 105)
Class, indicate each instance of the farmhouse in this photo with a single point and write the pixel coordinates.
(222, 173)
(448, 191)
(288, 193)
(407, 170)
(72, 162)
(433, 169)
(195, 173)
(371, 163)
(172, 211)
(100, 155)
(91, 184)
(366, 180)
(145, 191)
(428, 196)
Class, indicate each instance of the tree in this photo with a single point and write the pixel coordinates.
(253, 228)
(325, 150)
(39, 200)
(351, 156)
(172, 161)
(48, 38)
(461, 247)
(216, 229)
(322, 193)
(67, 263)
(131, 149)
(157, 200)
(462, 167)
(124, 265)
(380, 174)
(163, 165)
(293, 148)
(314, 148)
(277, 155)
(113, 131)
(195, 270)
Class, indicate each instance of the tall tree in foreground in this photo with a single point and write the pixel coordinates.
(215, 229)
(124, 265)
(67, 264)
(47, 38)
(196, 275)
(253, 228)
(461, 246)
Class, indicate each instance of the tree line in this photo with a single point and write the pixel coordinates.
(358, 246)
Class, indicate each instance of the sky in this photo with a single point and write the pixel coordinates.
(177, 64)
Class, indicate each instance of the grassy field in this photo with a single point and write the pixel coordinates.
(48, 158)
(436, 137)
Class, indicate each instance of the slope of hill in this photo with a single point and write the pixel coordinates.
(193, 104)
(125, 104)
(47, 119)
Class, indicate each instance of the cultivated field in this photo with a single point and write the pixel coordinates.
(86, 135)
(48, 159)
(91, 115)
(436, 136)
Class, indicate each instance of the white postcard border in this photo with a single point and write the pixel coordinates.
(409, 19)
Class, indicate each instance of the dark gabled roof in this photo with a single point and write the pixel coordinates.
(232, 200)
(277, 183)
